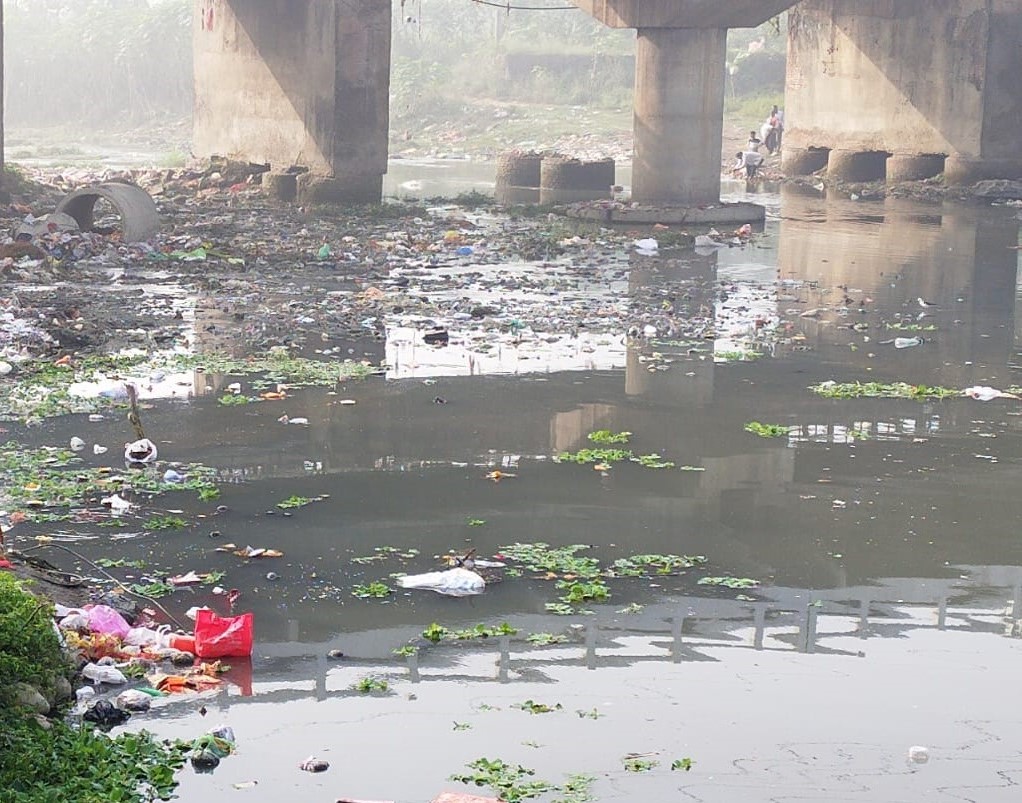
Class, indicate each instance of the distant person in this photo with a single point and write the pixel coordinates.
(777, 121)
(754, 142)
(749, 161)
(768, 135)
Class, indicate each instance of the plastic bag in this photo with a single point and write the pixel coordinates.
(99, 673)
(104, 619)
(223, 636)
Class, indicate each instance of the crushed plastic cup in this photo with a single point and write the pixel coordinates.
(97, 449)
(77, 444)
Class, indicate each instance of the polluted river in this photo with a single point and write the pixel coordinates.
(750, 504)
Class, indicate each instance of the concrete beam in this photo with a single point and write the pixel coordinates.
(683, 13)
(296, 84)
(678, 115)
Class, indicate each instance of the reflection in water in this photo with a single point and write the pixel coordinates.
(884, 533)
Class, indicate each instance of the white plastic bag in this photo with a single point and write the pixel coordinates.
(104, 674)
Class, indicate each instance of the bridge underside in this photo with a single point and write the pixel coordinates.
(900, 89)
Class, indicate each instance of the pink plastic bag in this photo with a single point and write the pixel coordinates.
(104, 619)
(223, 636)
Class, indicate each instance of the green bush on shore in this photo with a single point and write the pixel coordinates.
(51, 761)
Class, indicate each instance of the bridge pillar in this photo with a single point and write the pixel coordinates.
(678, 115)
(296, 84)
(680, 59)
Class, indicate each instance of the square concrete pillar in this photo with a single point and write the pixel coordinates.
(678, 115)
(296, 85)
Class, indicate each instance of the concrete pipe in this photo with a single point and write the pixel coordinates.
(964, 170)
(139, 218)
(518, 176)
(857, 165)
(914, 168)
(803, 161)
(564, 180)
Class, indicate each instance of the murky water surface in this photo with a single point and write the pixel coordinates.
(889, 565)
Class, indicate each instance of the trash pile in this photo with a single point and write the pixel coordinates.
(230, 270)
(127, 663)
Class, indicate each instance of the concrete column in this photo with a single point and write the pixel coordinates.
(857, 165)
(296, 84)
(679, 112)
(914, 168)
(803, 161)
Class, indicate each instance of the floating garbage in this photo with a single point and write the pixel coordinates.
(207, 750)
(987, 393)
(907, 342)
(456, 582)
(105, 714)
(140, 452)
(918, 754)
(116, 504)
(100, 673)
(313, 764)
(77, 444)
(647, 247)
(98, 450)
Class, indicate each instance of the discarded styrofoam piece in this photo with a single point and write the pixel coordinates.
(140, 452)
(140, 219)
(457, 582)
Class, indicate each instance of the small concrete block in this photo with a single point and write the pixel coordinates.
(280, 185)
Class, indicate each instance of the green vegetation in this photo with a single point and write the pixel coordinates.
(293, 502)
(880, 390)
(510, 782)
(682, 764)
(532, 707)
(437, 632)
(653, 461)
(579, 592)
(39, 389)
(374, 590)
(49, 483)
(585, 456)
(543, 639)
(605, 436)
(39, 764)
(164, 523)
(232, 400)
(635, 764)
(736, 356)
(475, 522)
(371, 685)
(729, 582)
(405, 651)
(767, 430)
